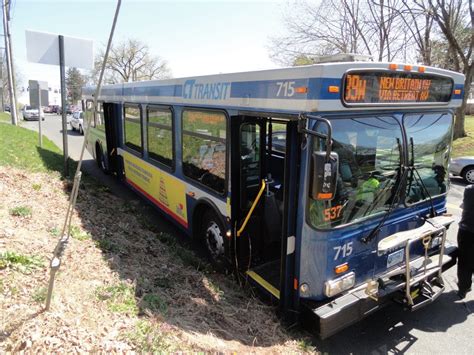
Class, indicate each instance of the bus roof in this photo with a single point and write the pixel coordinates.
(310, 88)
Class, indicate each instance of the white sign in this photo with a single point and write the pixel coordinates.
(43, 48)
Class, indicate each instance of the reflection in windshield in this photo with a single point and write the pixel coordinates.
(428, 136)
(369, 166)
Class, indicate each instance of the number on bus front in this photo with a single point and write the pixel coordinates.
(343, 250)
(332, 213)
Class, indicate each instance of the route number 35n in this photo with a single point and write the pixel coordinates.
(343, 250)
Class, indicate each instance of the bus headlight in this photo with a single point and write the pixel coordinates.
(333, 287)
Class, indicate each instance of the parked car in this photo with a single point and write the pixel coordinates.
(463, 166)
(47, 109)
(77, 122)
(70, 109)
(30, 113)
(55, 109)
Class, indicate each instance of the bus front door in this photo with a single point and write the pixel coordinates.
(257, 158)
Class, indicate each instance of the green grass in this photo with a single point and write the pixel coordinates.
(5, 117)
(150, 339)
(465, 146)
(22, 263)
(55, 231)
(40, 294)
(21, 211)
(19, 148)
(119, 298)
(154, 303)
(78, 234)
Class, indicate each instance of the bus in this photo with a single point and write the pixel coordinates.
(323, 185)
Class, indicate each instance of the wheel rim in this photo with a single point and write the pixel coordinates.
(470, 176)
(214, 240)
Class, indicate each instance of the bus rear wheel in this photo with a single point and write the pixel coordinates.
(215, 241)
(100, 159)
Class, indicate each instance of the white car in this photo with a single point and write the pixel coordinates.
(463, 166)
(77, 122)
(29, 113)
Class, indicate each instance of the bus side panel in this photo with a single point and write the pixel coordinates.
(162, 189)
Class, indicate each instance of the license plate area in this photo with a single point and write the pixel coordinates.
(395, 258)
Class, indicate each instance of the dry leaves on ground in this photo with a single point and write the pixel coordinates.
(121, 287)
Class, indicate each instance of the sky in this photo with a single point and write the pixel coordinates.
(194, 37)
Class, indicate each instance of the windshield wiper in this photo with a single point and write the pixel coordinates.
(396, 197)
(414, 169)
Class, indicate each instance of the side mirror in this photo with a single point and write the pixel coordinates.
(323, 176)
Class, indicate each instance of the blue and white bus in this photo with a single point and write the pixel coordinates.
(324, 185)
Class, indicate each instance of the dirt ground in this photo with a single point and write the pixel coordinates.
(122, 285)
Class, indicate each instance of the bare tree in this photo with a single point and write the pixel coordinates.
(319, 30)
(455, 19)
(131, 60)
(419, 24)
(370, 27)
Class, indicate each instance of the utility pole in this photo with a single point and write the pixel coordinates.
(12, 62)
(6, 30)
(2, 79)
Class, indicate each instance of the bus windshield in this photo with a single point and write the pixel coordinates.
(369, 150)
(429, 137)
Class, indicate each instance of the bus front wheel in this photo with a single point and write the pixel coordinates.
(214, 240)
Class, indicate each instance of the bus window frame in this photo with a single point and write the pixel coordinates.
(308, 165)
(170, 168)
(392, 104)
(444, 194)
(90, 111)
(130, 150)
(101, 112)
(195, 182)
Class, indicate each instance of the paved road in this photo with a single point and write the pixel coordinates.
(52, 128)
(444, 327)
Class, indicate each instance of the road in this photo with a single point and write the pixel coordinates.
(446, 326)
(52, 128)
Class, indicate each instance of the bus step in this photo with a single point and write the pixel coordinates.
(267, 276)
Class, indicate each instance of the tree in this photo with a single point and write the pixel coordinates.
(5, 86)
(370, 27)
(131, 60)
(419, 24)
(74, 83)
(455, 19)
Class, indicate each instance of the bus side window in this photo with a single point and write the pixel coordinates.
(132, 127)
(204, 148)
(160, 135)
(89, 112)
(99, 118)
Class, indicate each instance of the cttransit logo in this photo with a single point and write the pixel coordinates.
(207, 91)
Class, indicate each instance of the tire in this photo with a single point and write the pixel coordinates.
(215, 241)
(72, 128)
(468, 174)
(100, 159)
(81, 131)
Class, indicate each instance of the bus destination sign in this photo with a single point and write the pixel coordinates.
(367, 87)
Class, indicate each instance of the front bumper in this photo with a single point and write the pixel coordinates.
(415, 284)
(332, 317)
